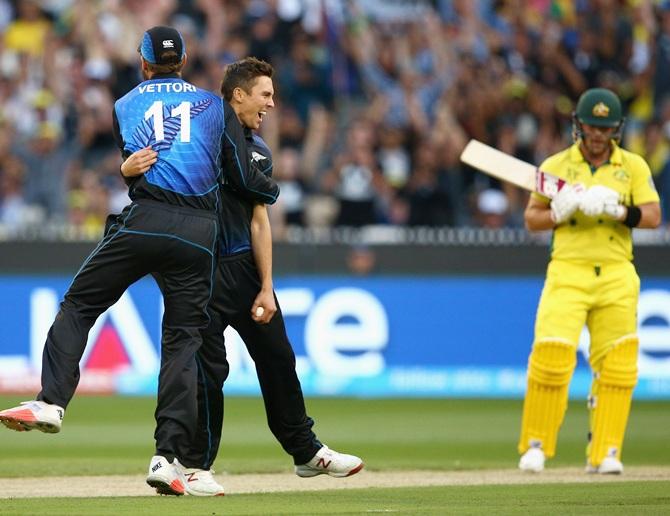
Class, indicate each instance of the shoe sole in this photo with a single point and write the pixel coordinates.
(313, 473)
(356, 469)
(21, 424)
(531, 470)
(592, 470)
(163, 487)
(200, 493)
(612, 471)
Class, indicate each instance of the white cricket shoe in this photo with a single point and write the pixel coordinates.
(330, 462)
(168, 479)
(532, 460)
(200, 482)
(609, 466)
(39, 415)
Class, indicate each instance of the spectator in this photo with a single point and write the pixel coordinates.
(28, 32)
(361, 260)
(393, 157)
(492, 209)
(46, 162)
(362, 91)
(15, 213)
(355, 179)
(429, 204)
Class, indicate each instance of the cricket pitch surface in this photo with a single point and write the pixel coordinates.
(135, 485)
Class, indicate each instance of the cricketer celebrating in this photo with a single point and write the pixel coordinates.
(244, 299)
(590, 280)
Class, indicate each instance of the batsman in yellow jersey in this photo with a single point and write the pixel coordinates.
(590, 281)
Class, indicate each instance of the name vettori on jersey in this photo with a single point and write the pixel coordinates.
(167, 87)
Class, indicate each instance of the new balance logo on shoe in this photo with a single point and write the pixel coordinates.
(323, 464)
(157, 466)
(60, 414)
(330, 462)
(201, 482)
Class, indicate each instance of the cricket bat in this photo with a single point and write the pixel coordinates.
(507, 168)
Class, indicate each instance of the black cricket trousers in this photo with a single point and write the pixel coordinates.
(236, 286)
(148, 236)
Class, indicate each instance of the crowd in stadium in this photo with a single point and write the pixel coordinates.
(374, 100)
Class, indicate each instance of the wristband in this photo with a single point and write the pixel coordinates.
(633, 216)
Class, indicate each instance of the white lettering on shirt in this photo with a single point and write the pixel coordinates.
(167, 87)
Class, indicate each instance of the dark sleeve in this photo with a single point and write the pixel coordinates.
(248, 182)
(116, 131)
(265, 165)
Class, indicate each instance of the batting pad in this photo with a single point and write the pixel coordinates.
(550, 368)
(611, 394)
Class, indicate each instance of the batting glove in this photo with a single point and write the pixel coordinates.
(566, 202)
(595, 198)
(614, 209)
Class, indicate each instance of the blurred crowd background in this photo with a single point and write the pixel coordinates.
(375, 99)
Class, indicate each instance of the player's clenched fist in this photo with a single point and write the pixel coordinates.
(596, 198)
(566, 202)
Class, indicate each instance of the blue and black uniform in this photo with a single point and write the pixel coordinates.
(170, 228)
(237, 284)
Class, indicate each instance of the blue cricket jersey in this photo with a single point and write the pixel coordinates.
(184, 124)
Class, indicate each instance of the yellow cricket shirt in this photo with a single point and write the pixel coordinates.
(598, 240)
(27, 36)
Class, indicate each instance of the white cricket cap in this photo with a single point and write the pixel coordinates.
(493, 202)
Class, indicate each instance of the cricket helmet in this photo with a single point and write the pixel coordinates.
(598, 107)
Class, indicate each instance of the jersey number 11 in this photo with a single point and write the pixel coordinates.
(183, 111)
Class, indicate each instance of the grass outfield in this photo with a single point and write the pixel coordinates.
(612, 499)
(112, 435)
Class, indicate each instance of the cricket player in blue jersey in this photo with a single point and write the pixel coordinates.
(244, 299)
(170, 229)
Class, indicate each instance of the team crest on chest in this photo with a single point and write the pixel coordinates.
(255, 156)
(621, 175)
(601, 110)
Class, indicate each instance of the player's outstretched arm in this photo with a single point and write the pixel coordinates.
(261, 245)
